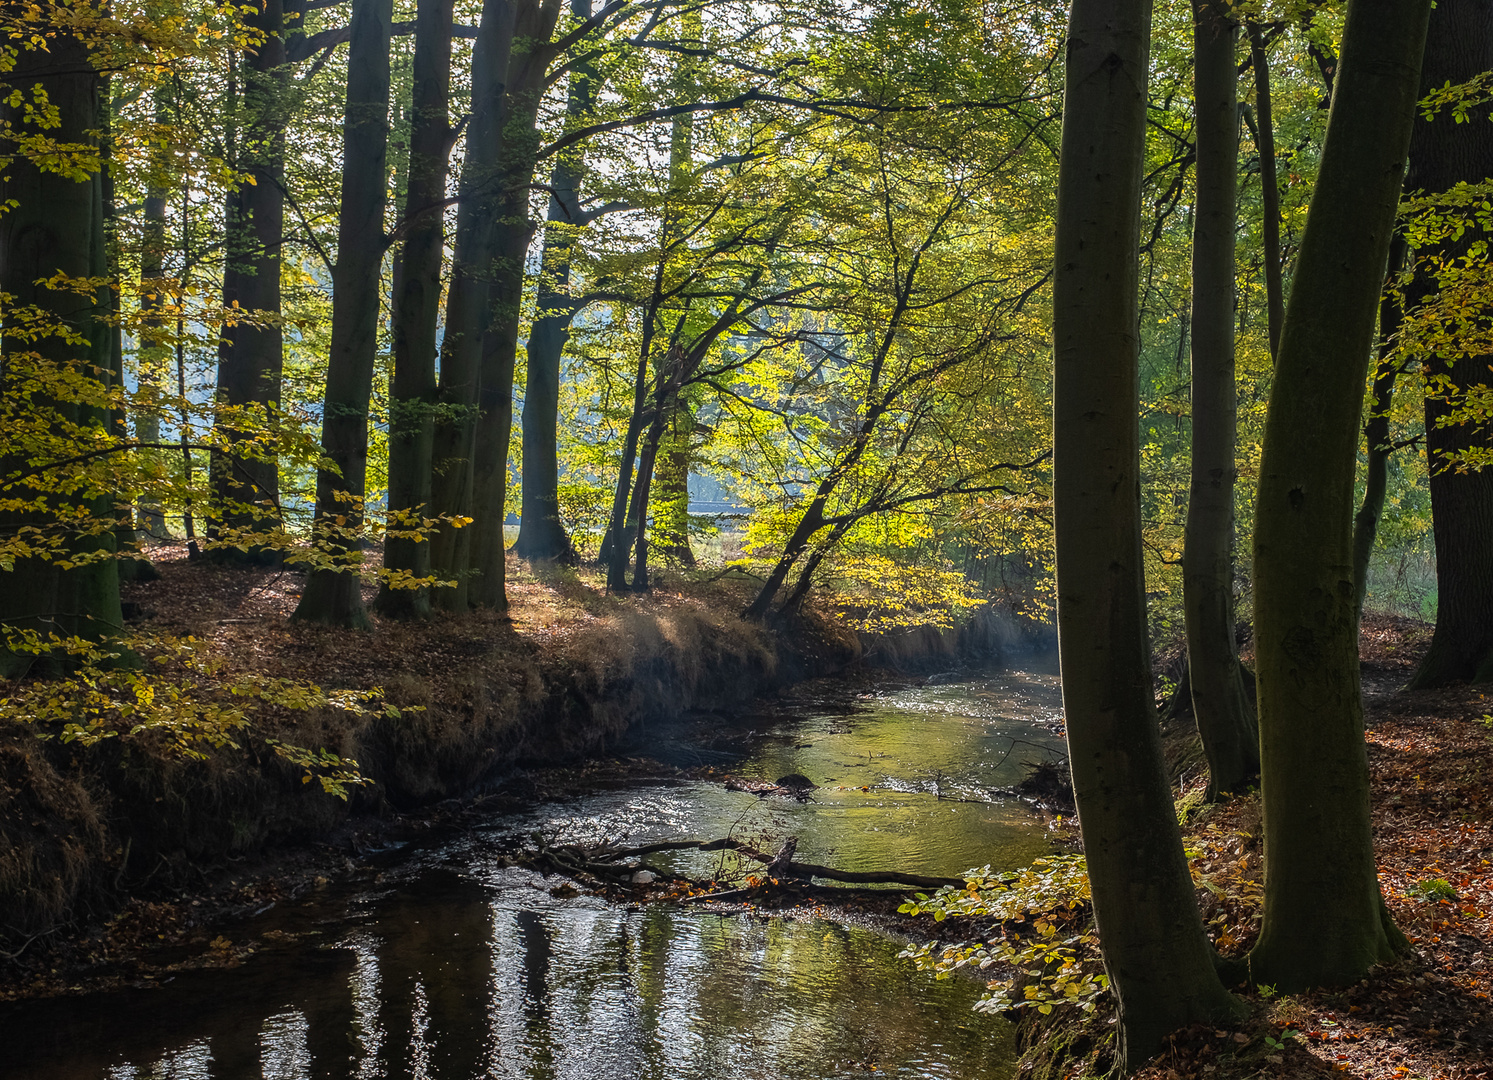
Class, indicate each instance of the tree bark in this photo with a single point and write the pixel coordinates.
(417, 307)
(54, 224)
(1376, 431)
(246, 489)
(1159, 962)
(1225, 719)
(468, 306)
(1324, 921)
(512, 230)
(541, 534)
(1443, 153)
(334, 593)
(1264, 132)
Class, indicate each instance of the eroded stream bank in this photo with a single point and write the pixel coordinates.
(446, 962)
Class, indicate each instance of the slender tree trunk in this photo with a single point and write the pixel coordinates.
(246, 490)
(1225, 719)
(512, 232)
(155, 353)
(468, 305)
(671, 475)
(334, 593)
(1264, 133)
(54, 224)
(614, 545)
(1376, 431)
(417, 308)
(1159, 962)
(1443, 153)
(1324, 922)
(541, 534)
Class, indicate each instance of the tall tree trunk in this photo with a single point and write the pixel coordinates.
(512, 232)
(54, 224)
(1225, 719)
(155, 353)
(541, 534)
(468, 305)
(1324, 921)
(1460, 45)
(614, 545)
(246, 489)
(671, 475)
(1376, 430)
(1159, 962)
(334, 593)
(1264, 133)
(417, 308)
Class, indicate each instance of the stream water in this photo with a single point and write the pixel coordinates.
(443, 963)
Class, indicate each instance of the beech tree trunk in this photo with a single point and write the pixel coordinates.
(1225, 718)
(246, 491)
(1442, 153)
(512, 230)
(54, 224)
(417, 307)
(1376, 431)
(468, 305)
(334, 593)
(1159, 962)
(1264, 132)
(1324, 921)
(541, 534)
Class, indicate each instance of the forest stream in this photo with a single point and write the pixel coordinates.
(445, 961)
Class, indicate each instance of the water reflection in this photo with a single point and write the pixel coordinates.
(468, 969)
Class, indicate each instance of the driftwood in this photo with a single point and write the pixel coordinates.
(617, 864)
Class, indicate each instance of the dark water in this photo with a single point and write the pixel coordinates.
(448, 965)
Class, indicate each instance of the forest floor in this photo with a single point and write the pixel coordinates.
(1427, 1017)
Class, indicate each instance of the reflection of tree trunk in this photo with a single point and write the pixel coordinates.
(1443, 153)
(1324, 920)
(417, 302)
(333, 593)
(1224, 718)
(1376, 430)
(534, 937)
(250, 358)
(54, 224)
(1159, 963)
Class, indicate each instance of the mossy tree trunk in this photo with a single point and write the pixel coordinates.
(1324, 921)
(246, 488)
(417, 306)
(1225, 718)
(54, 225)
(1442, 154)
(1159, 962)
(334, 592)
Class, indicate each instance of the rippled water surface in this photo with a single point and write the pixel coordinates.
(449, 965)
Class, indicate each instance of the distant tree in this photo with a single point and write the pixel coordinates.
(1443, 154)
(1225, 717)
